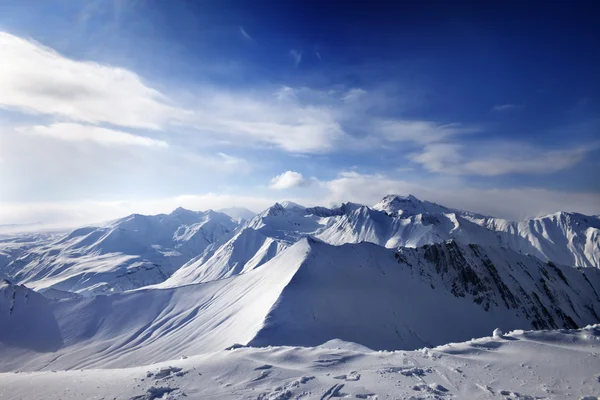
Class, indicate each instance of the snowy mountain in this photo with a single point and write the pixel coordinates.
(128, 253)
(306, 295)
(187, 247)
(395, 222)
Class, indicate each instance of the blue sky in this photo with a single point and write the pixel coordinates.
(118, 106)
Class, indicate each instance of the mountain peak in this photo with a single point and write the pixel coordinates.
(181, 211)
(409, 197)
(397, 205)
(289, 205)
(275, 209)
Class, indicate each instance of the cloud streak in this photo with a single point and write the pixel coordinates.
(296, 56)
(494, 159)
(246, 35)
(507, 107)
(72, 132)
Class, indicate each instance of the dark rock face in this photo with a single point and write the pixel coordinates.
(546, 294)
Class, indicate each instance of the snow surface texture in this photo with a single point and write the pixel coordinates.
(309, 294)
(519, 366)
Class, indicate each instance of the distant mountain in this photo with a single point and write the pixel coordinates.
(131, 252)
(239, 213)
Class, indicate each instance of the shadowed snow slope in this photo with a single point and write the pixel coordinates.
(129, 253)
(308, 294)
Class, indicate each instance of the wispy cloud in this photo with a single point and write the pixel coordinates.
(245, 34)
(296, 56)
(73, 132)
(493, 159)
(354, 94)
(511, 203)
(36, 79)
(420, 131)
(288, 180)
(507, 107)
(280, 119)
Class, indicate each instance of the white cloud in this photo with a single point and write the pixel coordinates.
(36, 79)
(296, 56)
(72, 132)
(288, 180)
(494, 159)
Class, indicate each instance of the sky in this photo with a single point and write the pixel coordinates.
(109, 107)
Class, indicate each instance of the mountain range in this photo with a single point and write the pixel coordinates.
(402, 274)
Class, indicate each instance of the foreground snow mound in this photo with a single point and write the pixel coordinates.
(129, 253)
(521, 365)
(314, 292)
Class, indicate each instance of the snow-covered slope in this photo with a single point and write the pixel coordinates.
(308, 294)
(13, 245)
(135, 251)
(247, 250)
(257, 241)
(517, 366)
